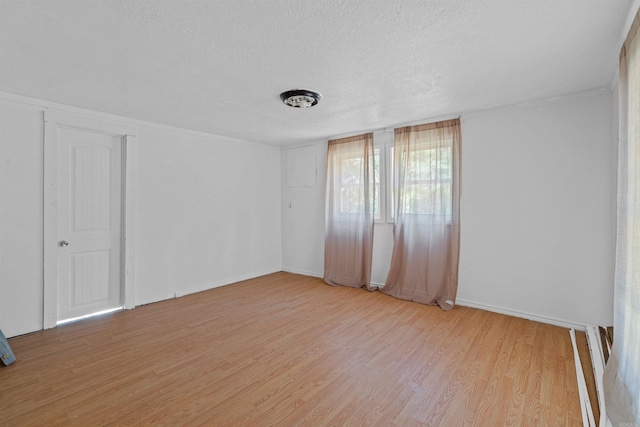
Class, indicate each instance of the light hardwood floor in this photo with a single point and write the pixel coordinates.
(285, 350)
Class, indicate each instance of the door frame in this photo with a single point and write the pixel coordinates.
(52, 122)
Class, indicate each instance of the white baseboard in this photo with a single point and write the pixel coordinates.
(309, 273)
(84, 112)
(223, 282)
(302, 272)
(487, 307)
(524, 315)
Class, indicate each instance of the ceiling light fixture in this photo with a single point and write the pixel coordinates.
(300, 98)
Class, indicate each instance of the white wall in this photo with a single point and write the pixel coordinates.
(21, 223)
(537, 212)
(207, 212)
(303, 224)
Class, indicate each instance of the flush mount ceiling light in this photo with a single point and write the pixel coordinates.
(300, 98)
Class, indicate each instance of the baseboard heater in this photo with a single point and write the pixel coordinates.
(599, 341)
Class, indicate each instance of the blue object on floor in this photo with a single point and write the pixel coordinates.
(5, 351)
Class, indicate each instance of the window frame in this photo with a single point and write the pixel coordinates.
(430, 183)
(390, 206)
(383, 143)
(345, 158)
(343, 214)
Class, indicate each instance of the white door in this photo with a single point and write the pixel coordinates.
(89, 222)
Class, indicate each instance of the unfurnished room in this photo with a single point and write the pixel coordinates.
(320, 213)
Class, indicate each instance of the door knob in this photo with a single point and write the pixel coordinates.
(63, 243)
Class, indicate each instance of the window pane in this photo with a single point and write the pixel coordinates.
(350, 183)
(351, 196)
(427, 181)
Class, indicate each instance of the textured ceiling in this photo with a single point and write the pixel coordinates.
(219, 66)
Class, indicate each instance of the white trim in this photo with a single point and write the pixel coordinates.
(56, 108)
(318, 275)
(50, 218)
(302, 272)
(489, 109)
(88, 123)
(130, 166)
(53, 121)
(305, 143)
(516, 313)
(382, 179)
(572, 96)
(223, 282)
(46, 105)
(384, 143)
(389, 211)
(420, 122)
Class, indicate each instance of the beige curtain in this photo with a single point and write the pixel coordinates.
(622, 373)
(349, 216)
(426, 231)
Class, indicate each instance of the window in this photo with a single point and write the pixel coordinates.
(352, 186)
(427, 228)
(349, 212)
(429, 175)
(428, 182)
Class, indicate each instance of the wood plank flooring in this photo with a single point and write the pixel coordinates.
(288, 350)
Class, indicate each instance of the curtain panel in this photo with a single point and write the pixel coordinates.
(622, 373)
(426, 231)
(349, 212)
